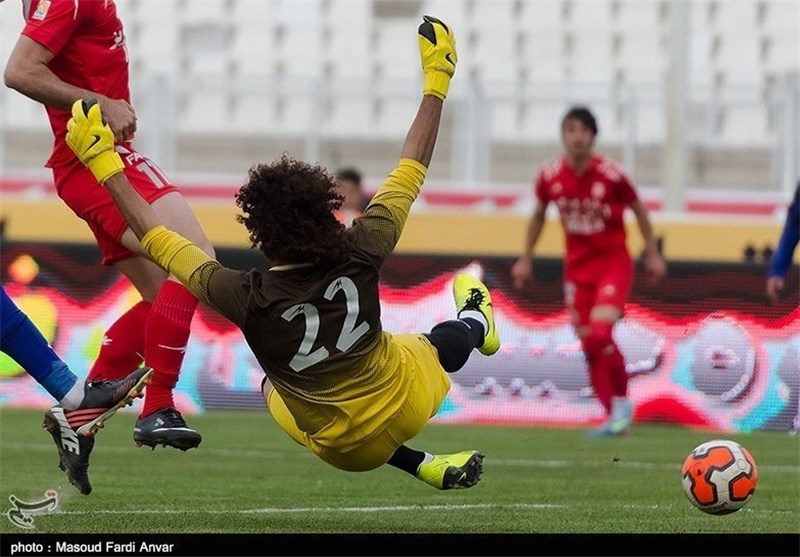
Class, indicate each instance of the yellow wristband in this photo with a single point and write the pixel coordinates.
(436, 83)
(105, 165)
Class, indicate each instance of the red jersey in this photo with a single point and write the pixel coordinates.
(591, 208)
(88, 44)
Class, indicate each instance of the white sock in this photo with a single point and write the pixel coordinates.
(477, 316)
(74, 397)
(428, 458)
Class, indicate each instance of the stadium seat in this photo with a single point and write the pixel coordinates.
(650, 123)
(644, 17)
(395, 54)
(589, 58)
(157, 32)
(736, 60)
(300, 50)
(542, 121)
(745, 125)
(20, 112)
(588, 15)
(506, 120)
(635, 54)
(253, 51)
(781, 33)
(347, 113)
(487, 47)
(254, 113)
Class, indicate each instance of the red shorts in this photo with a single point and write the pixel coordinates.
(609, 285)
(79, 189)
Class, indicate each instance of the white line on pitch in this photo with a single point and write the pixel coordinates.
(279, 510)
(386, 508)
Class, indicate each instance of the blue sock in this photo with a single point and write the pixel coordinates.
(20, 339)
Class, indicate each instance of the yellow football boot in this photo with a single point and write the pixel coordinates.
(472, 294)
(455, 471)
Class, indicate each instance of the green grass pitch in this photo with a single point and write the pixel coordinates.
(248, 476)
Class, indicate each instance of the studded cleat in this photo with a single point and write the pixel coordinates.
(73, 449)
(102, 399)
(455, 471)
(619, 423)
(165, 427)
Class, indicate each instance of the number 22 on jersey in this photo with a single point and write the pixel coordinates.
(348, 336)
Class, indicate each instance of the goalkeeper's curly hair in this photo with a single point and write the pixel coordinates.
(288, 209)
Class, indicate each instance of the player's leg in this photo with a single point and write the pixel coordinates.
(166, 336)
(612, 293)
(428, 390)
(580, 299)
(282, 416)
(123, 343)
(607, 364)
(168, 315)
(475, 327)
(20, 339)
(161, 336)
(82, 401)
(454, 341)
(168, 322)
(79, 402)
(452, 471)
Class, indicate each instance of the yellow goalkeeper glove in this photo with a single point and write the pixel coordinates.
(91, 138)
(437, 48)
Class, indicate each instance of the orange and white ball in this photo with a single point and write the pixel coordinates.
(719, 476)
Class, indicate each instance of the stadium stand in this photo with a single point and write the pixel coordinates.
(278, 71)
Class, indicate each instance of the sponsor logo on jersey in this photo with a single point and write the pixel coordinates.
(119, 42)
(598, 190)
(608, 290)
(41, 10)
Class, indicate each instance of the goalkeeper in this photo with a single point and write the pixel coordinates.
(339, 385)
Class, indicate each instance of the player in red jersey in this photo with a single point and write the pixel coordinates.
(592, 193)
(71, 49)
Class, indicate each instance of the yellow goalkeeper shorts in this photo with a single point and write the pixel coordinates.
(428, 387)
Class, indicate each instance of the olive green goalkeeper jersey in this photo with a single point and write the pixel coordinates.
(316, 331)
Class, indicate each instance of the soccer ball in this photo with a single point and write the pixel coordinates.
(719, 476)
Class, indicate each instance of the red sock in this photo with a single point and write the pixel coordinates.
(599, 348)
(166, 335)
(122, 350)
(616, 368)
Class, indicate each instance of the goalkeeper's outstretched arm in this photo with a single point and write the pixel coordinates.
(92, 140)
(437, 49)
(387, 212)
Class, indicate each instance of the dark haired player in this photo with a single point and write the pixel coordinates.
(592, 193)
(350, 392)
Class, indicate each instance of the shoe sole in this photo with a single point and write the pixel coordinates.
(52, 426)
(597, 434)
(466, 475)
(90, 428)
(181, 442)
